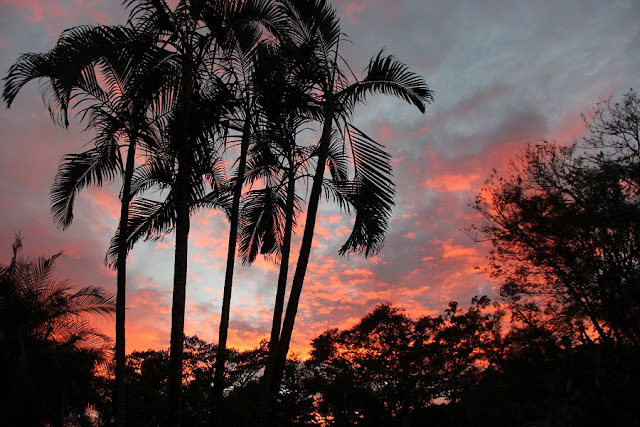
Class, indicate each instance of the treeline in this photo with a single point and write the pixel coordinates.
(458, 368)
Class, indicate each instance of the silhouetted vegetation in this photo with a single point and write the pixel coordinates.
(562, 225)
(180, 87)
(565, 230)
(458, 368)
(49, 353)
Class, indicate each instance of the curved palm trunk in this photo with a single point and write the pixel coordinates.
(282, 347)
(221, 355)
(286, 250)
(265, 406)
(119, 397)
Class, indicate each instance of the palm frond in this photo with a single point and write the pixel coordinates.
(66, 69)
(221, 197)
(76, 171)
(261, 222)
(93, 300)
(388, 76)
(156, 172)
(37, 306)
(148, 220)
(337, 160)
(338, 194)
(313, 18)
(370, 193)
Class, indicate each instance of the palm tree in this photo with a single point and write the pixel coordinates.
(178, 32)
(269, 214)
(242, 29)
(190, 133)
(316, 23)
(132, 70)
(48, 350)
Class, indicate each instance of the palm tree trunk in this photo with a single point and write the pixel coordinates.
(284, 262)
(265, 406)
(178, 308)
(221, 355)
(182, 203)
(282, 347)
(119, 398)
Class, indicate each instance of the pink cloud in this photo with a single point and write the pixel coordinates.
(32, 10)
(148, 320)
(161, 245)
(385, 133)
(426, 128)
(106, 202)
(354, 8)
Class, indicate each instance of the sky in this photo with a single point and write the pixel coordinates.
(504, 73)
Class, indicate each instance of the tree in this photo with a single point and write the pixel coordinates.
(613, 127)
(565, 229)
(185, 149)
(199, 37)
(147, 382)
(134, 71)
(49, 351)
(461, 346)
(316, 24)
(240, 31)
(284, 83)
(388, 366)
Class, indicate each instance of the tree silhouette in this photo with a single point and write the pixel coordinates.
(565, 233)
(49, 351)
(201, 40)
(316, 23)
(388, 366)
(133, 71)
(242, 30)
(185, 146)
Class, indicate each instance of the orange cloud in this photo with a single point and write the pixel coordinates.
(454, 182)
(161, 245)
(454, 251)
(148, 321)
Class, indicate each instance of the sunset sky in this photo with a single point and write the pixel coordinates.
(503, 73)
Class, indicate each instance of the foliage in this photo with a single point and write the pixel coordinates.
(565, 233)
(565, 230)
(148, 373)
(49, 352)
(389, 365)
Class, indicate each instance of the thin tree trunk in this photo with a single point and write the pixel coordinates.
(265, 407)
(221, 354)
(119, 398)
(282, 347)
(174, 383)
(182, 191)
(286, 250)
